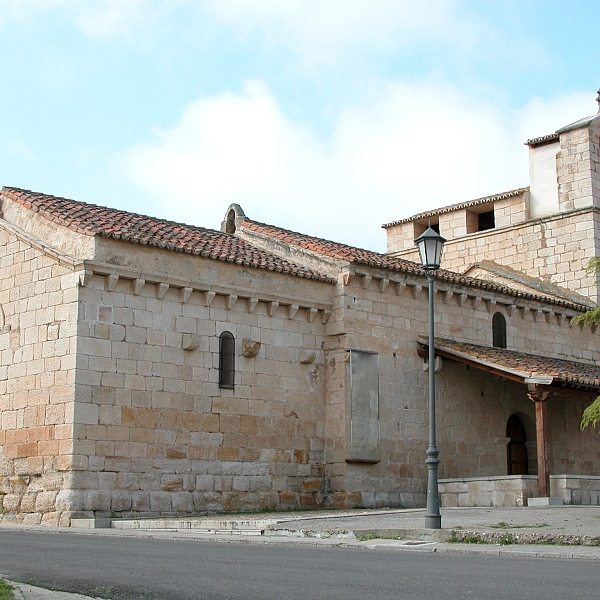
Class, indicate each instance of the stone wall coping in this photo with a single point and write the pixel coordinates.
(514, 477)
(57, 255)
(153, 278)
(492, 478)
(592, 477)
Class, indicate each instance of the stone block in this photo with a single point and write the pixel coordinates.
(140, 501)
(314, 485)
(160, 502)
(241, 483)
(69, 500)
(28, 502)
(96, 500)
(50, 519)
(32, 519)
(96, 523)
(546, 501)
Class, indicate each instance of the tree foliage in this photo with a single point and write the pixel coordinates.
(591, 415)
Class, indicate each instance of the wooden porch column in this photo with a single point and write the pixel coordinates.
(539, 397)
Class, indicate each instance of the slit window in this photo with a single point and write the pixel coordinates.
(499, 330)
(227, 360)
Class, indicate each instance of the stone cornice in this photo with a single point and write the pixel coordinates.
(162, 282)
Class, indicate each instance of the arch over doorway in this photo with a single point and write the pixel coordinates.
(516, 451)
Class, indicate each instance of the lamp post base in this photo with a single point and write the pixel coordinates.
(433, 521)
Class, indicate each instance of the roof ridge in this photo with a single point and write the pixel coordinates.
(118, 210)
(313, 237)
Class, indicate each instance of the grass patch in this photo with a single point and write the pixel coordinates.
(6, 591)
(465, 539)
(371, 535)
(103, 590)
(507, 539)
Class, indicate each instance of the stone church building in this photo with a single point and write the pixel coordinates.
(154, 368)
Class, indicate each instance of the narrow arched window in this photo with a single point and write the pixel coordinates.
(226, 360)
(230, 224)
(499, 330)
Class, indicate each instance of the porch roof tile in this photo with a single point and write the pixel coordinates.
(521, 364)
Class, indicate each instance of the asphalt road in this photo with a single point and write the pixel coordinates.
(151, 569)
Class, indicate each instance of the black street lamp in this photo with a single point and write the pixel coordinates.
(430, 246)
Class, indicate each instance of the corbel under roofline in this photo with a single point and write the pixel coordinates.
(92, 267)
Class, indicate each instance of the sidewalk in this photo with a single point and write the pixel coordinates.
(30, 592)
(556, 532)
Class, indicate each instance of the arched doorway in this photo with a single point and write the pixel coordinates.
(516, 453)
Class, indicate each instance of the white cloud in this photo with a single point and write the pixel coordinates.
(541, 117)
(96, 18)
(319, 30)
(416, 147)
(316, 31)
(101, 18)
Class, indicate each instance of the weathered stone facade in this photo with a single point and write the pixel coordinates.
(550, 233)
(110, 395)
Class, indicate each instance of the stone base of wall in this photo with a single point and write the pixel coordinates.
(60, 507)
(513, 490)
(507, 490)
(576, 489)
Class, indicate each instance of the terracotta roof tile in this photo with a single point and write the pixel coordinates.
(543, 140)
(90, 219)
(530, 365)
(369, 258)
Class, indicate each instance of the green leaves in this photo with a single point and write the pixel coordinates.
(589, 318)
(591, 415)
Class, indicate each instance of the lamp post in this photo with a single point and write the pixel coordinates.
(430, 246)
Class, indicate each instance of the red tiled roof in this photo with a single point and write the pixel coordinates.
(369, 258)
(331, 249)
(561, 371)
(90, 219)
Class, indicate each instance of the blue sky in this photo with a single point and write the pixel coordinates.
(329, 117)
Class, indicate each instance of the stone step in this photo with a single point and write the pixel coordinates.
(220, 526)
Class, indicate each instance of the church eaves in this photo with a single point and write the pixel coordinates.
(359, 256)
(559, 370)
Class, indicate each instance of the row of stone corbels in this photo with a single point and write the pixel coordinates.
(162, 283)
(474, 296)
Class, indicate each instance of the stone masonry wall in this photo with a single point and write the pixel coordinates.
(460, 222)
(578, 168)
(473, 406)
(38, 310)
(555, 249)
(155, 433)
